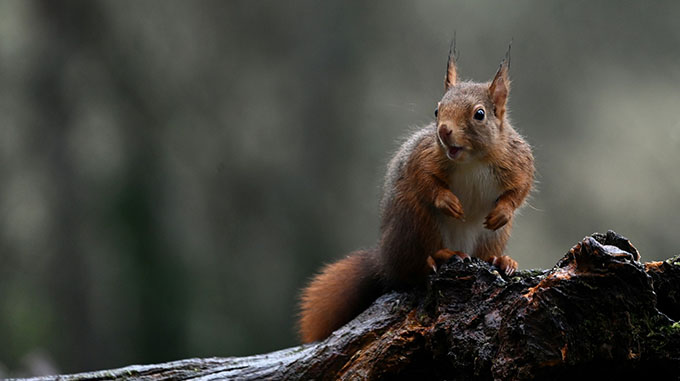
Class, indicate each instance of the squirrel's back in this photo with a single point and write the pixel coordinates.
(395, 167)
(345, 288)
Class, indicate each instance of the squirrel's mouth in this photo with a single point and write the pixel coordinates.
(453, 152)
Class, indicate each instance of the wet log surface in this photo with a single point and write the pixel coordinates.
(598, 313)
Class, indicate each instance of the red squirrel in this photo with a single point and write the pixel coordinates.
(451, 190)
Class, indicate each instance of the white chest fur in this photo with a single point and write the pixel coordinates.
(477, 189)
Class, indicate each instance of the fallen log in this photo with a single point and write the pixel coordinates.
(598, 313)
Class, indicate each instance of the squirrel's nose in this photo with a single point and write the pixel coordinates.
(444, 129)
(444, 132)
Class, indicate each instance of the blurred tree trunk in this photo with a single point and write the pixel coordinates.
(80, 32)
(598, 313)
(68, 280)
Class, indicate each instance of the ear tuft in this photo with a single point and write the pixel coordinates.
(451, 72)
(500, 87)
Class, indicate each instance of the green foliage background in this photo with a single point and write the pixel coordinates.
(172, 172)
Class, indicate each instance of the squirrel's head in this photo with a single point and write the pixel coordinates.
(470, 117)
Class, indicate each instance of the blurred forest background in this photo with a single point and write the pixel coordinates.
(173, 172)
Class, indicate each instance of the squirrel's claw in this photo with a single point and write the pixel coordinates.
(504, 263)
(432, 264)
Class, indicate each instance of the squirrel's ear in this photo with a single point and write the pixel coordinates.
(451, 73)
(500, 88)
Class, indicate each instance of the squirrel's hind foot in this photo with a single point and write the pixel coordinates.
(504, 263)
(444, 255)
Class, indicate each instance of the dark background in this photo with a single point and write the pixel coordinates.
(172, 173)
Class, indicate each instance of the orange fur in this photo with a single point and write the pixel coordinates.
(429, 184)
(335, 296)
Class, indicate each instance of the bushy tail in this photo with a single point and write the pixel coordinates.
(338, 294)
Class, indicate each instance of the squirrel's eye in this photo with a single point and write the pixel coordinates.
(479, 114)
(436, 112)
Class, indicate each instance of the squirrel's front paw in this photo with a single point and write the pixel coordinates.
(498, 217)
(448, 203)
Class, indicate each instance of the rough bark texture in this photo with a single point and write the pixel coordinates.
(598, 313)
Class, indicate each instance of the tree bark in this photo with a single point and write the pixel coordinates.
(598, 313)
